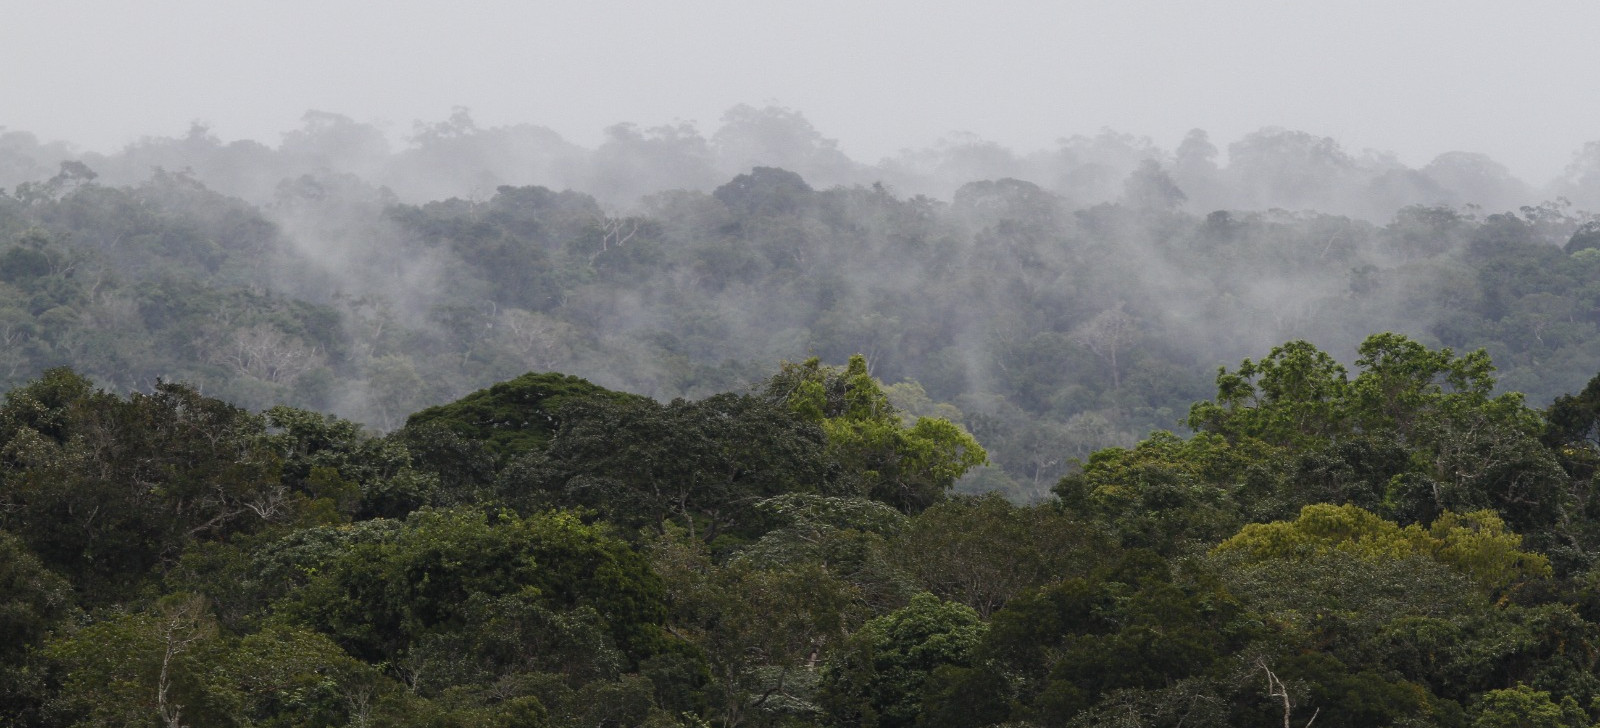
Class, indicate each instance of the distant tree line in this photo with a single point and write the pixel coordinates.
(1048, 330)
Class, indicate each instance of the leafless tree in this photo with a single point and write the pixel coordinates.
(1108, 333)
(615, 232)
(1276, 689)
(264, 352)
(182, 625)
(538, 340)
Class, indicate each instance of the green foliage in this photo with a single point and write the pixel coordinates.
(877, 678)
(1393, 549)
(812, 513)
(1417, 433)
(849, 539)
(513, 417)
(1424, 544)
(1572, 429)
(292, 676)
(1347, 697)
(1132, 624)
(146, 669)
(33, 601)
(911, 467)
(1166, 493)
(106, 489)
(1368, 601)
(1293, 396)
(1475, 544)
(982, 551)
(171, 665)
(343, 471)
(759, 626)
(404, 306)
(1524, 707)
(703, 464)
(1300, 396)
(449, 575)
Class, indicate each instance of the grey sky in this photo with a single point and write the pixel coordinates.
(1514, 80)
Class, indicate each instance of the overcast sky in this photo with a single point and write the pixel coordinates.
(1515, 80)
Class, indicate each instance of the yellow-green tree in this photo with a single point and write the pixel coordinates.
(909, 465)
(1477, 545)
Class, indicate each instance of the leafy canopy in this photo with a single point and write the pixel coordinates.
(1476, 544)
(909, 467)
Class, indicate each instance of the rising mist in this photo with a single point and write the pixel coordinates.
(1053, 301)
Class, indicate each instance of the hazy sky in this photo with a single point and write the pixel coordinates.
(1516, 80)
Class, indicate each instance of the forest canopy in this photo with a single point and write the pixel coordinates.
(495, 430)
(1397, 547)
(1052, 303)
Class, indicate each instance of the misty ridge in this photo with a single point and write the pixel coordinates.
(1270, 168)
(1052, 302)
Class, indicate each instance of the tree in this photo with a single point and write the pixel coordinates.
(1475, 179)
(761, 626)
(146, 669)
(1573, 420)
(846, 537)
(1402, 381)
(1465, 448)
(1524, 707)
(1166, 493)
(779, 137)
(343, 470)
(1290, 169)
(876, 680)
(295, 675)
(106, 489)
(1475, 544)
(457, 578)
(394, 388)
(982, 551)
(33, 601)
(765, 191)
(1587, 237)
(72, 175)
(1109, 332)
(1581, 179)
(1195, 170)
(705, 464)
(335, 142)
(515, 416)
(1134, 623)
(264, 352)
(1150, 188)
(909, 468)
(632, 163)
(1296, 395)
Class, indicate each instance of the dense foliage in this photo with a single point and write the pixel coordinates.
(1052, 305)
(1397, 547)
(839, 456)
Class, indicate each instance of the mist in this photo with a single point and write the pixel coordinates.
(767, 365)
(1053, 300)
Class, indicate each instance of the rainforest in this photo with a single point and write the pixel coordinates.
(494, 429)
